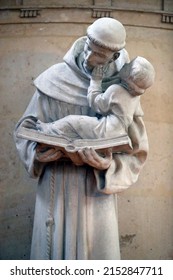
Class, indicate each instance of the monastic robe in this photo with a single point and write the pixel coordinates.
(76, 209)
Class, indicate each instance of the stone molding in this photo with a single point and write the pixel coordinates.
(20, 15)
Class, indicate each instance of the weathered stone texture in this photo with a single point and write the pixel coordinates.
(145, 210)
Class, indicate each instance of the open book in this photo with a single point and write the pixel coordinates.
(119, 144)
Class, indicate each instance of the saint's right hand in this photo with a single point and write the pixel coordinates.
(46, 153)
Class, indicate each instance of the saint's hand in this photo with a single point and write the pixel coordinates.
(92, 158)
(46, 153)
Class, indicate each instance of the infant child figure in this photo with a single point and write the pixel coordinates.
(116, 106)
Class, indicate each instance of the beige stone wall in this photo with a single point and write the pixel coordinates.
(146, 210)
(27, 49)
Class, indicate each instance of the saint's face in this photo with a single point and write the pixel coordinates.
(95, 55)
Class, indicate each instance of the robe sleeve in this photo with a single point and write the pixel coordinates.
(125, 168)
(38, 108)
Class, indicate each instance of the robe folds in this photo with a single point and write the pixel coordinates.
(76, 208)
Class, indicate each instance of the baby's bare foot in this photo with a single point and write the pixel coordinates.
(41, 126)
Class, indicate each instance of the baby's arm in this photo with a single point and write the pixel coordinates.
(98, 100)
(95, 87)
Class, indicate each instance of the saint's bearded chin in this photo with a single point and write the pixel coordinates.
(109, 68)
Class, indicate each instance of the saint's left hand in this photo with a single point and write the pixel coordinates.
(92, 158)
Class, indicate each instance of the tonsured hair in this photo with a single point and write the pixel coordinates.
(99, 44)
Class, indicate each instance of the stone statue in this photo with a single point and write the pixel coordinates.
(117, 105)
(76, 207)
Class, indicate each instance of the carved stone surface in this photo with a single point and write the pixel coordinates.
(116, 106)
(75, 202)
(37, 46)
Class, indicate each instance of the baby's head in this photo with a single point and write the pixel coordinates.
(138, 75)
